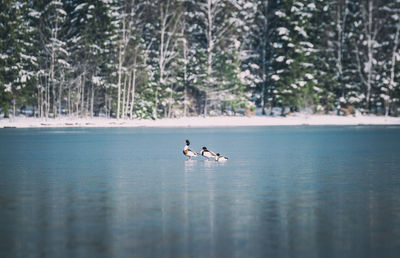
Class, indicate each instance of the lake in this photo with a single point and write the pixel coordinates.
(304, 191)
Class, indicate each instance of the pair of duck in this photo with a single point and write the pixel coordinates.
(204, 152)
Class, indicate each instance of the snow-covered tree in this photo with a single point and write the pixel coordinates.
(89, 38)
(142, 59)
(262, 31)
(366, 25)
(18, 64)
(391, 48)
(294, 56)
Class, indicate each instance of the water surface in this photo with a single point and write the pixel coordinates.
(285, 191)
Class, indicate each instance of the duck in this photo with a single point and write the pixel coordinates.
(188, 152)
(219, 157)
(207, 153)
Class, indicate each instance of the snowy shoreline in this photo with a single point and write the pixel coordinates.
(223, 121)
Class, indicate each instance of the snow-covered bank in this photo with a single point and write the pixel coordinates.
(298, 119)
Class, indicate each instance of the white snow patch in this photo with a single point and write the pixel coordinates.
(96, 80)
(254, 66)
(317, 89)
(301, 31)
(244, 75)
(354, 100)
(222, 121)
(282, 31)
(311, 6)
(63, 62)
(309, 76)
(385, 97)
(275, 77)
(294, 9)
(280, 59)
(280, 14)
(306, 43)
(62, 12)
(237, 44)
(79, 7)
(32, 58)
(8, 87)
(34, 14)
(248, 5)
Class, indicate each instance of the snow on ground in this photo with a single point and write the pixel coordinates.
(297, 119)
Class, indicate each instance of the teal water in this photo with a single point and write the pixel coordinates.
(129, 192)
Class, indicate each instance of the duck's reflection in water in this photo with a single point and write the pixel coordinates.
(209, 165)
(190, 165)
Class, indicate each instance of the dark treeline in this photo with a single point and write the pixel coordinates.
(172, 58)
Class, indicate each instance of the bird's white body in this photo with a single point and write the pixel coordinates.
(220, 158)
(188, 152)
(207, 153)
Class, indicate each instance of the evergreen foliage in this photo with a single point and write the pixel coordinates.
(173, 58)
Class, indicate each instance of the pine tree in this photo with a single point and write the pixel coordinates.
(91, 27)
(294, 56)
(389, 61)
(366, 25)
(262, 32)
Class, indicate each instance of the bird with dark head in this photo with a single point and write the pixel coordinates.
(219, 157)
(187, 152)
(207, 153)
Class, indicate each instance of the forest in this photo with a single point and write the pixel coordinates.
(174, 58)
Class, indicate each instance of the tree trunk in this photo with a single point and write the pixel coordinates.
(14, 103)
(47, 97)
(392, 70)
(92, 101)
(163, 17)
(210, 43)
(170, 104)
(69, 100)
(205, 104)
(340, 25)
(155, 104)
(128, 94)
(185, 50)
(83, 94)
(264, 59)
(39, 98)
(78, 96)
(123, 97)
(60, 93)
(120, 59)
(369, 38)
(133, 90)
